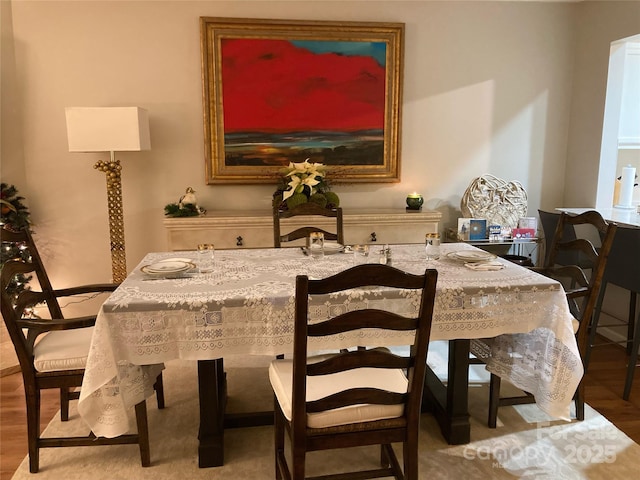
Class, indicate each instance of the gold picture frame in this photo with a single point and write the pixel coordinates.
(280, 91)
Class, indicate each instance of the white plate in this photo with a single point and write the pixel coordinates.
(471, 256)
(331, 248)
(167, 267)
(185, 260)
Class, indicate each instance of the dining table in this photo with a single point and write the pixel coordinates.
(245, 306)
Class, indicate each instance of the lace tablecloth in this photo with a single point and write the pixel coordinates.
(246, 306)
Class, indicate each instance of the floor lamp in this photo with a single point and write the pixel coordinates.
(110, 129)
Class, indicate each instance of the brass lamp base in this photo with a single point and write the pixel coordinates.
(112, 170)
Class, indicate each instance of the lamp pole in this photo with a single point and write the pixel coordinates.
(113, 170)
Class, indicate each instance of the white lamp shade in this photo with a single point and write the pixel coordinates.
(107, 129)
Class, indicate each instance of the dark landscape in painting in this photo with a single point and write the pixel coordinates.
(330, 148)
(286, 102)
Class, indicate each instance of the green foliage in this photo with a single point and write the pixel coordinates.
(15, 216)
(14, 212)
(333, 201)
(187, 210)
(296, 199)
(318, 198)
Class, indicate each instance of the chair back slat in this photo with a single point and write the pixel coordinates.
(358, 359)
(306, 209)
(356, 396)
(305, 232)
(366, 318)
(378, 275)
(582, 248)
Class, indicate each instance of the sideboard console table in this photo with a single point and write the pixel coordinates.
(254, 229)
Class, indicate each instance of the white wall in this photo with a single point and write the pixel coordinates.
(487, 89)
(598, 24)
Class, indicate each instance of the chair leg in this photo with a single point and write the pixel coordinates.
(278, 430)
(143, 433)
(64, 404)
(631, 325)
(33, 428)
(593, 328)
(494, 400)
(384, 457)
(579, 401)
(633, 359)
(159, 388)
(410, 458)
(298, 458)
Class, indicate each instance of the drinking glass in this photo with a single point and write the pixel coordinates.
(316, 245)
(360, 254)
(206, 254)
(432, 246)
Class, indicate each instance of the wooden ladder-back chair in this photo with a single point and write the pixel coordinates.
(307, 209)
(581, 287)
(337, 401)
(53, 352)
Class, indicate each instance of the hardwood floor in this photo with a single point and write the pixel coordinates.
(604, 384)
(13, 421)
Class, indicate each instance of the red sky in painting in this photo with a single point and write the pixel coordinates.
(274, 86)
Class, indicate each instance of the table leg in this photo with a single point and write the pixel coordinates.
(449, 403)
(212, 393)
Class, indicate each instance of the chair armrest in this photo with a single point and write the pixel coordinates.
(45, 325)
(36, 327)
(82, 289)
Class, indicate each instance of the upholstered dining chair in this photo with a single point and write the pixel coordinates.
(307, 209)
(52, 352)
(358, 397)
(623, 270)
(582, 288)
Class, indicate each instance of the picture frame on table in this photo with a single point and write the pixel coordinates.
(478, 229)
(464, 226)
(281, 91)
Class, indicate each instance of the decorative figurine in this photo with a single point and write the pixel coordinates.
(187, 206)
(189, 198)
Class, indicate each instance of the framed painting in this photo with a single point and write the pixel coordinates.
(280, 91)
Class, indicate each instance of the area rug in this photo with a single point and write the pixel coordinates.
(526, 444)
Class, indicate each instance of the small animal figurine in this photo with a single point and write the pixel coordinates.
(188, 198)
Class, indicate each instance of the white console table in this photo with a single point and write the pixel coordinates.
(254, 229)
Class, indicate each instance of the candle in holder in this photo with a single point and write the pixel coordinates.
(414, 202)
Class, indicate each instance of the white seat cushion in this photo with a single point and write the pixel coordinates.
(576, 325)
(393, 380)
(62, 350)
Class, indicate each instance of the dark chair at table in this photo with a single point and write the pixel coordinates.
(336, 401)
(581, 289)
(623, 270)
(53, 352)
(306, 209)
(549, 221)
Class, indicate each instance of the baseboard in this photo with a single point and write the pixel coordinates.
(611, 335)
